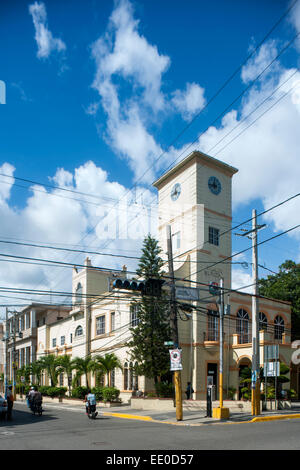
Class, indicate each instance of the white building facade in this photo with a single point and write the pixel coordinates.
(195, 199)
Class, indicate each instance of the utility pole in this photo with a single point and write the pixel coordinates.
(255, 380)
(174, 327)
(255, 369)
(221, 310)
(14, 357)
(221, 412)
(6, 353)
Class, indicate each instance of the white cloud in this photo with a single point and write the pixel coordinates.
(6, 183)
(53, 217)
(294, 18)
(45, 41)
(242, 279)
(189, 101)
(124, 57)
(259, 62)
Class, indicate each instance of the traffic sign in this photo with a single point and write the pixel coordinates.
(175, 357)
(187, 293)
(214, 288)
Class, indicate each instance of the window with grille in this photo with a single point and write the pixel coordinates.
(112, 321)
(78, 294)
(79, 331)
(242, 326)
(134, 315)
(62, 340)
(263, 322)
(213, 236)
(53, 342)
(212, 325)
(100, 325)
(279, 327)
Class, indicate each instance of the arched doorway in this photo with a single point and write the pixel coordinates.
(244, 391)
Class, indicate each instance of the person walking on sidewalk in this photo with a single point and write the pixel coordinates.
(189, 391)
(10, 402)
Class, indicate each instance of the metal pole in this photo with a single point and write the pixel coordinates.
(221, 343)
(255, 384)
(174, 327)
(6, 353)
(14, 357)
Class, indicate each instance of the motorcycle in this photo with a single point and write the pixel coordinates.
(36, 407)
(91, 411)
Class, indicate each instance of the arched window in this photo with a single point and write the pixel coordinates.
(79, 331)
(263, 321)
(78, 294)
(279, 327)
(242, 326)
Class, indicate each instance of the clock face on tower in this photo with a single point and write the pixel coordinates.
(214, 185)
(175, 192)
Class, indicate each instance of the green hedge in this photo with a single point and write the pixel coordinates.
(79, 392)
(98, 391)
(164, 390)
(110, 394)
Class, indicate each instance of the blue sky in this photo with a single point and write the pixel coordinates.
(97, 91)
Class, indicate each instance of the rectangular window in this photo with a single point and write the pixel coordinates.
(134, 315)
(53, 342)
(176, 241)
(213, 236)
(61, 380)
(112, 321)
(62, 340)
(213, 326)
(100, 325)
(71, 338)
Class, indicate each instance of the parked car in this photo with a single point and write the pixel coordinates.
(3, 407)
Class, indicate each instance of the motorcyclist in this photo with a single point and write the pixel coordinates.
(30, 396)
(90, 402)
(37, 397)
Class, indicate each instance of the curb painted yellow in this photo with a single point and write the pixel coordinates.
(273, 418)
(180, 423)
(126, 416)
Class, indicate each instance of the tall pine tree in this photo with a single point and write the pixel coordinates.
(153, 319)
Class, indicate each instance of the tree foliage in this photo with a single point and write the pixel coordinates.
(285, 286)
(153, 327)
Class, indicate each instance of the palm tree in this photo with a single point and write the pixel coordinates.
(66, 365)
(108, 363)
(50, 364)
(36, 369)
(83, 366)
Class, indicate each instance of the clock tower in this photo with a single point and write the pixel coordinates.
(194, 197)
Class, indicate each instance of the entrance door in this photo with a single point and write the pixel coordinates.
(212, 371)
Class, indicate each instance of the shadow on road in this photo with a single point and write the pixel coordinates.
(24, 417)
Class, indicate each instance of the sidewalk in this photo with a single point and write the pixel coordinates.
(190, 418)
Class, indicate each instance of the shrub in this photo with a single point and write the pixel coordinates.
(291, 394)
(110, 394)
(79, 392)
(164, 390)
(98, 391)
(44, 389)
(56, 391)
(231, 393)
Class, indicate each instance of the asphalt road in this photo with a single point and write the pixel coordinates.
(60, 429)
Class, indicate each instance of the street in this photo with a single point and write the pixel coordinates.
(61, 429)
